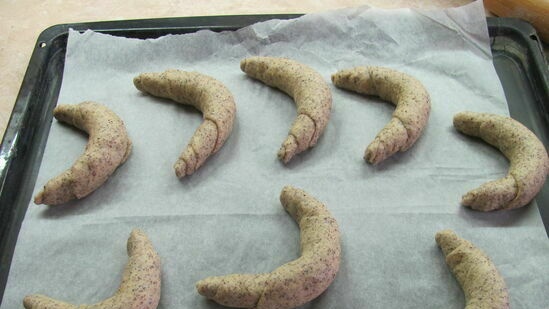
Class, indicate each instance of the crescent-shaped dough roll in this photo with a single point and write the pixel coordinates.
(294, 283)
(108, 147)
(206, 94)
(481, 282)
(139, 289)
(528, 159)
(310, 92)
(411, 99)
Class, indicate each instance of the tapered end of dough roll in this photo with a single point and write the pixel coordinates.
(288, 149)
(254, 65)
(334, 78)
(31, 301)
(39, 198)
(149, 83)
(342, 78)
(299, 203)
(338, 77)
(56, 191)
(356, 79)
(64, 112)
(243, 64)
(376, 152)
(138, 82)
(300, 138)
(468, 122)
(180, 168)
(38, 301)
(493, 195)
(206, 289)
(447, 240)
(390, 140)
(237, 290)
(138, 242)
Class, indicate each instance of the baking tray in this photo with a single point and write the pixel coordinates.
(518, 59)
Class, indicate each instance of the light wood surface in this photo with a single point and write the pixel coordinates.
(534, 11)
(22, 21)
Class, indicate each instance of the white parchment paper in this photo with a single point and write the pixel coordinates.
(226, 218)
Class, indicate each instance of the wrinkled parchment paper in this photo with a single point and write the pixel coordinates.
(227, 218)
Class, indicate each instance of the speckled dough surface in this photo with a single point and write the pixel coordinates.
(108, 147)
(310, 92)
(529, 163)
(411, 99)
(206, 94)
(294, 283)
(140, 287)
(482, 284)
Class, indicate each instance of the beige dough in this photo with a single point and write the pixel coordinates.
(528, 159)
(482, 284)
(206, 94)
(140, 287)
(310, 92)
(411, 99)
(297, 282)
(108, 147)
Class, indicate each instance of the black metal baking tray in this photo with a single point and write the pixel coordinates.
(518, 59)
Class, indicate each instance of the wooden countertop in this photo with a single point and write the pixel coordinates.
(22, 22)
